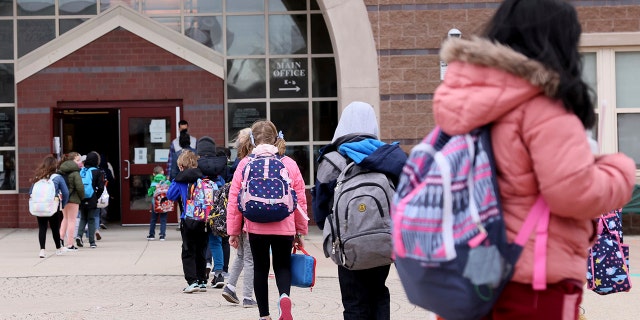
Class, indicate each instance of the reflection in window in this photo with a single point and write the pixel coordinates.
(78, 7)
(203, 6)
(287, 5)
(206, 30)
(627, 86)
(6, 39)
(320, 41)
(288, 34)
(589, 72)
(172, 22)
(138, 186)
(292, 119)
(7, 127)
(8, 170)
(35, 7)
(245, 5)
(107, 4)
(246, 79)
(7, 74)
(34, 33)
(301, 155)
(324, 83)
(243, 115)
(6, 7)
(629, 136)
(151, 7)
(68, 24)
(325, 120)
(288, 78)
(248, 35)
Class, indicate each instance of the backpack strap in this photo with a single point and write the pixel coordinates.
(538, 217)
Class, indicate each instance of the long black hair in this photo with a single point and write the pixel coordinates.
(547, 31)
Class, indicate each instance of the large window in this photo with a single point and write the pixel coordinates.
(611, 64)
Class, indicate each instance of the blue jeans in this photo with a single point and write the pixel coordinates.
(163, 223)
(88, 216)
(215, 246)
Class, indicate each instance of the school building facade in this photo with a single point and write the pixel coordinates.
(116, 76)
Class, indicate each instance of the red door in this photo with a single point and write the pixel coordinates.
(145, 137)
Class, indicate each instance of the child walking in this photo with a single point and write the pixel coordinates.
(244, 258)
(158, 177)
(70, 170)
(194, 236)
(45, 170)
(279, 236)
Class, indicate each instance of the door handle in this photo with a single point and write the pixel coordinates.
(128, 169)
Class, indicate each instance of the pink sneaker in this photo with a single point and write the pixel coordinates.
(284, 306)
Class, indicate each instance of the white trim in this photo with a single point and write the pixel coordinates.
(124, 17)
(355, 52)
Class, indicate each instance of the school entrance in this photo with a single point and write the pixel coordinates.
(132, 137)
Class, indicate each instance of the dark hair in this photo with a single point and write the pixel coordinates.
(183, 123)
(185, 139)
(547, 31)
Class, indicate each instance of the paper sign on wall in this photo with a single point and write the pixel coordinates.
(140, 155)
(162, 155)
(158, 130)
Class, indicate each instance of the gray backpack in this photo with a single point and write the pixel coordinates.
(357, 234)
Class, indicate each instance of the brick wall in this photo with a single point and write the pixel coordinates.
(117, 66)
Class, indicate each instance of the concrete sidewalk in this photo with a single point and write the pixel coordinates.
(128, 277)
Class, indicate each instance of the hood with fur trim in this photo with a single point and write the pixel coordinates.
(484, 81)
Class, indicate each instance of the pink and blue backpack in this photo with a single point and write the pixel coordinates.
(449, 239)
(266, 193)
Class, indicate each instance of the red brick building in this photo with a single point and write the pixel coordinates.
(96, 74)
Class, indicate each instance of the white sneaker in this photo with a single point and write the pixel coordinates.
(60, 251)
(42, 255)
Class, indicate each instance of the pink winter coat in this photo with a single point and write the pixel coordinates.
(540, 148)
(294, 223)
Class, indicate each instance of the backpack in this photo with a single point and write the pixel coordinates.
(159, 193)
(87, 181)
(218, 218)
(199, 204)
(44, 201)
(266, 194)
(357, 233)
(449, 238)
(608, 260)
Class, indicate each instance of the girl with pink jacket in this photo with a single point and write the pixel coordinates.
(280, 236)
(523, 76)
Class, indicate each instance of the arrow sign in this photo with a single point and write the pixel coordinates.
(296, 89)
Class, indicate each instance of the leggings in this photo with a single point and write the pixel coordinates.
(54, 223)
(281, 250)
(69, 221)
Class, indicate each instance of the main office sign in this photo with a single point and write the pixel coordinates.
(289, 78)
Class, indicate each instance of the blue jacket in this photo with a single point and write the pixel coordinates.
(368, 153)
(61, 187)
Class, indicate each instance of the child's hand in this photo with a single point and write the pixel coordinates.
(298, 242)
(233, 241)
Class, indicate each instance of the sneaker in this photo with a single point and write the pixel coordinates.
(98, 236)
(249, 303)
(79, 242)
(72, 248)
(161, 238)
(60, 251)
(230, 295)
(218, 281)
(284, 307)
(103, 227)
(93, 246)
(194, 287)
(203, 286)
(42, 254)
(151, 238)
